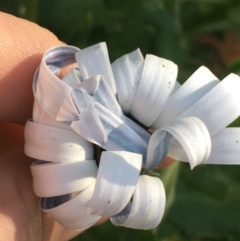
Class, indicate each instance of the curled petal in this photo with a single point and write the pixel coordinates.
(81, 99)
(198, 84)
(43, 116)
(73, 77)
(190, 133)
(71, 212)
(158, 148)
(116, 180)
(89, 126)
(144, 134)
(46, 83)
(147, 207)
(91, 85)
(51, 179)
(94, 60)
(155, 86)
(225, 147)
(102, 94)
(100, 126)
(68, 111)
(220, 106)
(95, 89)
(55, 144)
(127, 72)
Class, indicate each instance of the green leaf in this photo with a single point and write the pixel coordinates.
(155, 13)
(213, 26)
(206, 203)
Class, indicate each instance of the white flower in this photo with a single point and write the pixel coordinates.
(189, 123)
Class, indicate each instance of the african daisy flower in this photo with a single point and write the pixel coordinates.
(114, 106)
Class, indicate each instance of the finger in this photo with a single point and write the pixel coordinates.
(167, 162)
(22, 45)
(8, 133)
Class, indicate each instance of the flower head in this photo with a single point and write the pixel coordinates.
(113, 107)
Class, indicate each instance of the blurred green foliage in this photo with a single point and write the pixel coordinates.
(203, 204)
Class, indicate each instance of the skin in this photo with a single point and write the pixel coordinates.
(22, 45)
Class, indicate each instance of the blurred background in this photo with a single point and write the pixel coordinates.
(203, 204)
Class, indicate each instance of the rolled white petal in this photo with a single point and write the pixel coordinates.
(225, 147)
(158, 148)
(94, 60)
(156, 84)
(102, 94)
(48, 89)
(73, 213)
(144, 134)
(81, 99)
(198, 84)
(116, 180)
(127, 72)
(220, 106)
(55, 144)
(90, 85)
(101, 127)
(51, 179)
(73, 77)
(191, 134)
(89, 126)
(82, 95)
(147, 208)
(68, 111)
(43, 116)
